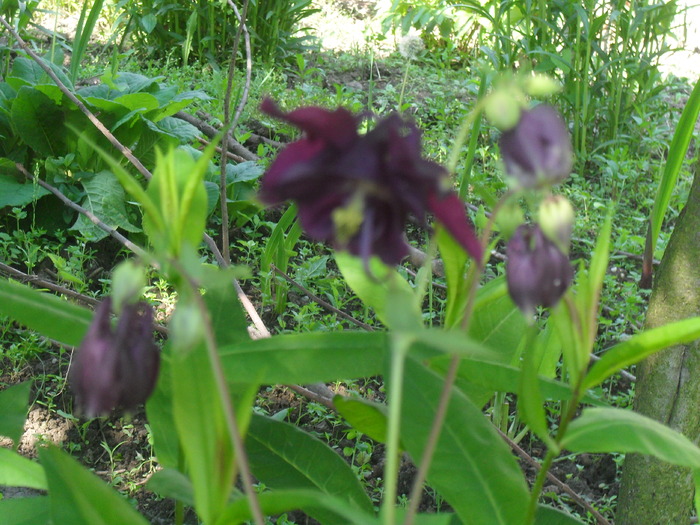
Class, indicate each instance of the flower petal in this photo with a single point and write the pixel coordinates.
(337, 128)
(449, 210)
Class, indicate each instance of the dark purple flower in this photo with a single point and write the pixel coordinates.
(116, 368)
(538, 149)
(538, 273)
(357, 191)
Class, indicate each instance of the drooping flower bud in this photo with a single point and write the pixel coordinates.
(538, 149)
(115, 368)
(537, 272)
(556, 218)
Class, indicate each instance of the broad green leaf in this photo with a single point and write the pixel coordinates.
(640, 346)
(199, 417)
(243, 172)
(674, 161)
(79, 497)
(141, 102)
(473, 468)
(283, 456)
(18, 471)
(39, 122)
(47, 314)
(27, 72)
(454, 260)
(305, 358)
(492, 376)
(313, 502)
(618, 430)
(135, 83)
(227, 318)
(178, 128)
(105, 198)
(170, 483)
(530, 399)
(374, 290)
(161, 419)
(33, 510)
(366, 416)
(13, 410)
(550, 516)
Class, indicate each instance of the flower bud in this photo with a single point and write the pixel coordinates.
(538, 149)
(115, 368)
(537, 272)
(538, 85)
(556, 218)
(502, 108)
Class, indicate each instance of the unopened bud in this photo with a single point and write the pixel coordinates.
(537, 272)
(540, 86)
(502, 108)
(115, 368)
(556, 218)
(538, 149)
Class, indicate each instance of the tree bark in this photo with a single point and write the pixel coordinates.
(668, 383)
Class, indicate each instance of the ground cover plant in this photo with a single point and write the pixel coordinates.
(450, 299)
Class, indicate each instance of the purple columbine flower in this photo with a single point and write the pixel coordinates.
(538, 149)
(115, 368)
(538, 273)
(357, 191)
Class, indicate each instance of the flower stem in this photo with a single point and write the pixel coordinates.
(400, 344)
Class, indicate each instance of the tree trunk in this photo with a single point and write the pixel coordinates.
(668, 383)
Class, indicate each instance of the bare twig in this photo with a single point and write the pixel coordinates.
(320, 301)
(551, 477)
(42, 283)
(210, 131)
(230, 155)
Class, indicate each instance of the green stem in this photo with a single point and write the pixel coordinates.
(403, 86)
(399, 348)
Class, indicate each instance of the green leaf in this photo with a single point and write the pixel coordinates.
(81, 498)
(313, 502)
(161, 419)
(18, 471)
(549, 516)
(226, 314)
(47, 314)
(367, 417)
(243, 172)
(283, 456)
(454, 260)
(676, 156)
(39, 122)
(149, 22)
(305, 358)
(204, 434)
(640, 346)
(104, 198)
(170, 483)
(473, 468)
(15, 193)
(34, 510)
(530, 399)
(141, 102)
(375, 290)
(618, 430)
(13, 410)
(181, 130)
(496, 321)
